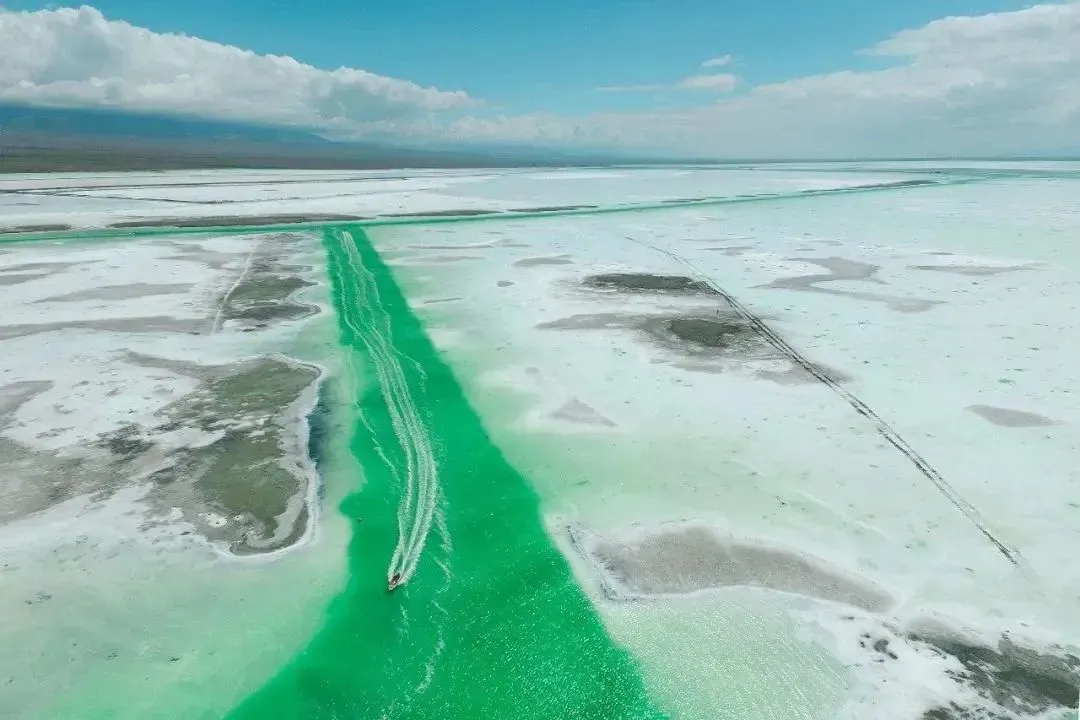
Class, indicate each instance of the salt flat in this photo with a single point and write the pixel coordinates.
(950, 312)
(810, 456)
(154, 398)
(45, 202)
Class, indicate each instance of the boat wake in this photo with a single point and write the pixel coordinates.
(416, 468)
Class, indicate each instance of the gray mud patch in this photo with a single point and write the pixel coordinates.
(33, 481)
(441, 213)
(649, 283)
(162, 323)
(713, 341)
(542, 261)
(48, 267)
(1004, 679)
(15, 395)
(235, 221)
(195, 252)
(706, 343)
(1014, 681)
(972, 270)
(33, 228)
(240, 478)
(553, 208)
(266, 290)
(798, 375)
(229, 456)
(708, 334)
(732, 250)
(20, 278)
(842, 269)
(122, 292)
(439, 301)
(575, 411)
(690, 558)
(440, 259)
(1005, 417)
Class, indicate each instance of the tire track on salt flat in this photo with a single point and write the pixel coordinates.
(883, 428)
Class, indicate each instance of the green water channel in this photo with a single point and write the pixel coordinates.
(490, 623)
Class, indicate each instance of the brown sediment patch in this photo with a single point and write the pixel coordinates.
(690, 557)
(972, 270)
(843, 269)
(122, 292)
(575, 411)
(1011, 418)
(647, 282)
(234, 220)
(20, 278)
(157, 323)
(541, 261)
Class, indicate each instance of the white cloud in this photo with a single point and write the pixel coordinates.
(76, 57)
(992, 84)
(723, 82)
(633, 88)
(716, 62)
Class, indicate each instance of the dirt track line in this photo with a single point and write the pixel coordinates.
(891, 435)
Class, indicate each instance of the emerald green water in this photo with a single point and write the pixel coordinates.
(491, 625)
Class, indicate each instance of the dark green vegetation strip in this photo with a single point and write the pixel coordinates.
(112, 233)
(492, 625)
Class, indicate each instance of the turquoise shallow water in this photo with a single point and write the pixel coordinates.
(490, 623)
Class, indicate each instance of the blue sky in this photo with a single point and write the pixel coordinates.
(527, 56)
(833, 78)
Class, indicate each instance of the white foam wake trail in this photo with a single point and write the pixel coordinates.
(419, 481)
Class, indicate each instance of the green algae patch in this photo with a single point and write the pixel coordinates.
(489, 622)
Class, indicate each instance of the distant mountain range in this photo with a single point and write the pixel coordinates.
(63, 139)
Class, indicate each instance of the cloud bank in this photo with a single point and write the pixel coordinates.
(78, 58)
(1002, 83)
